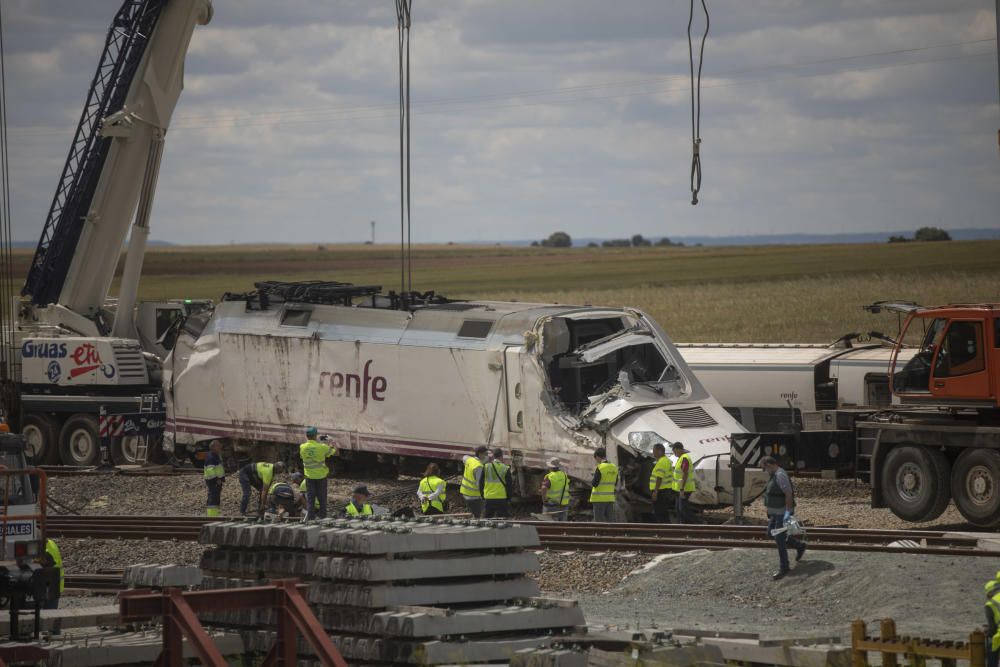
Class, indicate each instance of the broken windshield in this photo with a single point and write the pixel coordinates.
(625, 357)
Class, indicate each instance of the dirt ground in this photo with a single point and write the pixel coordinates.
(931, 596)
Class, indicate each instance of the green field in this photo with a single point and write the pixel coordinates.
(752, 294)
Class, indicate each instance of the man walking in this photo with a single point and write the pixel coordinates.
(779, 499)
(602, 493)
(215, 477)
(472, 481)
(555, 492)
(496, 487)
(661, 485)
(683, 482)
(314, 455)
(257, 476)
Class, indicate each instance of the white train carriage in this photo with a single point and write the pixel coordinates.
(432, 379)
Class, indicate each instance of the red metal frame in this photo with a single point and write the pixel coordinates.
(180, 610)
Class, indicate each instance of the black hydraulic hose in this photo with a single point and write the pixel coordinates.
(696, 101)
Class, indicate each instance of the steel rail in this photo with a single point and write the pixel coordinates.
(587, 536)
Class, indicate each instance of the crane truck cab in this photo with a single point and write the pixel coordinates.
(958, 359)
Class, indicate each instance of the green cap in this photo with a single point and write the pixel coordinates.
(312, 432)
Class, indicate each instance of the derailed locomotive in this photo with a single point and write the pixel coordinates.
(404, 379)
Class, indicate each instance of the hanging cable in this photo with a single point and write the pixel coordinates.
(8, 367)
(405, 227)
(696, 103)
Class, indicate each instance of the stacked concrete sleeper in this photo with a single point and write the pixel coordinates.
(424, 591)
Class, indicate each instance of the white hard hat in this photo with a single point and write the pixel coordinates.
(554, 462)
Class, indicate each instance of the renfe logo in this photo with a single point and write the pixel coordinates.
(361, 387)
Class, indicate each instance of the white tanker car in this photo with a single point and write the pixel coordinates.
(406, 381)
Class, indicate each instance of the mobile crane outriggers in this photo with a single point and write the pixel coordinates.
(79, 351)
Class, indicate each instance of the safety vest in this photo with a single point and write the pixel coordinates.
(282, 488)
(429, 485)
(470, 487)
(679, 474)
(53, 551)
(993, 604)
(314, 455)
(366, 510)
(213, 467)
(558, 492)
(604, 492)
(494, 487)
(992, 587)
(265, 473)
(663, 469)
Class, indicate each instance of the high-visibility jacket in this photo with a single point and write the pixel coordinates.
(662, 470)
(495, 484)
(992, 587)
(558, 491)
(213, 467)
(604, 492)
(265, 473)
(53, 551)
(314, 455)
(470, 487)
(679, 474)
(366, 510)
(993, 604)
(427, 486)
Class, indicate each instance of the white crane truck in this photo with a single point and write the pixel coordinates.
(81, 353)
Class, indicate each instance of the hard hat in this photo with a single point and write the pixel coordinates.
(362, 490)
(554, 462)
(312, 432)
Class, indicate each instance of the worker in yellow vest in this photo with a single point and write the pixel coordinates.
(472, 481)
(496, 487)
(431, 491)
(683, 482)
(257, 476)
(215, 477)
(555, 492)
(992, 590)
(52, 558)
(661, 484)
(602, 494)
(359, 503)
(314, 454)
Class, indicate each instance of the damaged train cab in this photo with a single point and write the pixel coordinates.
(404, 380)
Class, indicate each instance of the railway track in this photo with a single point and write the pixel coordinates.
(572, 536)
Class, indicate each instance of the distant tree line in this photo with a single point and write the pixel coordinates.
(923, 234)
(563, 240)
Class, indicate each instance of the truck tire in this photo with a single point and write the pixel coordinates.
(124, 450)
(915, 482)
(79, 444)
(42, 435)
(975, 485)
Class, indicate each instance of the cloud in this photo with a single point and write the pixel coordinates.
(527, 117)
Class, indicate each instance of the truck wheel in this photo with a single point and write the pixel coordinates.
(79, 444)
(42, 435)
(975, 483)
(125, 450)
(915, 483)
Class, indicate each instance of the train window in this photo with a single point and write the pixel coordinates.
(295, 317)
(475, 329)
(961, 350)
(768, 420)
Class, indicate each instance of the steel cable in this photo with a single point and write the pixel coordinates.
(696, 102)
(405, 226)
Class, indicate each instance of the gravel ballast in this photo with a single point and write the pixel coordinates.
(934, 596)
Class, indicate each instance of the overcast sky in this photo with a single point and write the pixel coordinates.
(531, 117)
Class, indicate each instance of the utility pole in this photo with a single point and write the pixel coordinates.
(373, 226)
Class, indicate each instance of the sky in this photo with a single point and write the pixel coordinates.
(531, 117)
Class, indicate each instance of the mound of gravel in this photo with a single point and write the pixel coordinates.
(932, 596)
(564, 573)
(88, 556)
